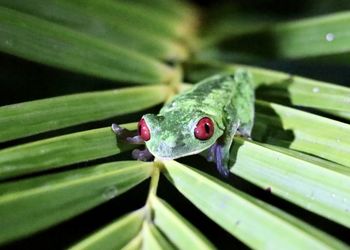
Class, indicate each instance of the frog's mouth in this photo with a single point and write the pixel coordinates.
(169, 153)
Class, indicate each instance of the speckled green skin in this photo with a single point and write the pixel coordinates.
(227, 99)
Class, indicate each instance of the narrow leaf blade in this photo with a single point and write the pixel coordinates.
(153, 239)
(29, 118)
(314, 184)
(44, 201)
(303, 38)
(60, 151)
(45, 42)
(92, 18)
(181, 233)
(303, 131)
(116, 235)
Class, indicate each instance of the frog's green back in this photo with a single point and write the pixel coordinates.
(214, 94)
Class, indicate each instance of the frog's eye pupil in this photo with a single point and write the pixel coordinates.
(204, 129)
(207, 128)
(143, 130)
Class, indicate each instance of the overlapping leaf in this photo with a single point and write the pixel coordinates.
(43, 201)
(309, 37)
(317, 185)
(295, 129)
(45, 42)
(246, 218)
(92, 18)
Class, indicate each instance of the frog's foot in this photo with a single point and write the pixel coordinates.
(126, 135)
(216, 155)
(142, 155)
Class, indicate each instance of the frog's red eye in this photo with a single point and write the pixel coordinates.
(144, 130)
(204, 129)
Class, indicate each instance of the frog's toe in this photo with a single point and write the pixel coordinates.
(223, 170)
(135, 140)
(118, 130)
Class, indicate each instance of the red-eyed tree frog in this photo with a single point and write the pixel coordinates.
(204, 118)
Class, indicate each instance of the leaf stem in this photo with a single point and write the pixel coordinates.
(152, 190)
(154, 180)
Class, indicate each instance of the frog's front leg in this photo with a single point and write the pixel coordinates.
(132, 137)
(127, 135)
(218, 152)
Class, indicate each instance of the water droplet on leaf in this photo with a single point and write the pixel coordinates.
(330, 37)
(315, 89)
(8, 42)
(110, 193)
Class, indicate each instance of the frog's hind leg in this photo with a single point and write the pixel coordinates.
(127, 135)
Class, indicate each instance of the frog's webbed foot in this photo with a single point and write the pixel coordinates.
(216, 155)
(142, 155)
(126, 135)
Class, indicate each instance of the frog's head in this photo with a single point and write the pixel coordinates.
(178, 134)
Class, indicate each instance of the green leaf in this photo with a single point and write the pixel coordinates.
(153, 239)
(231, 24)
(312, 183)
(142, 17)
(342, 114)
(181, 233)
(134, 244)
(174, 9)
(284, 88)
(309, 37)
(303, 131)
(326, 35)
(116, 235)
(60, 151)
(253, 222)
(92, 18)
(45, 42)
(44, 201)
(183, 14)
(28, 118)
